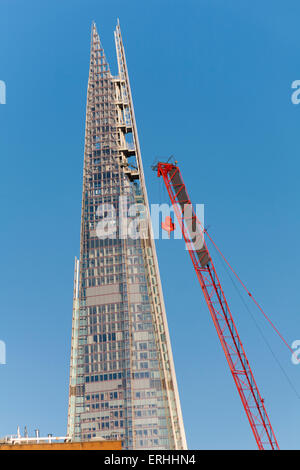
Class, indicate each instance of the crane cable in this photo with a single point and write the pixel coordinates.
(246, 289)
(291, 384)
(249, 293)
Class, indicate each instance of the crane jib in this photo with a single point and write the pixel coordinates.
(195, 230)
(193, 233)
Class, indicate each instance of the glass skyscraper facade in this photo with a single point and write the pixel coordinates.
(122, 377)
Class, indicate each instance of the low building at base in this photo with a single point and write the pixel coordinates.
(57, 443)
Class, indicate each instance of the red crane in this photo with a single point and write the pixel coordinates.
(193, 233)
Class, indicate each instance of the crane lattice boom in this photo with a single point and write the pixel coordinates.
(193, 233)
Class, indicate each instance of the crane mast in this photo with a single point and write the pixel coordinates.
(193, 233)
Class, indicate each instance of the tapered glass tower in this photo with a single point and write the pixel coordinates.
(122, 377)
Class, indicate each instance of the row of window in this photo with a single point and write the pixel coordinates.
(115, 376)
(104, 396)
(104, 337)
(102, 347)
(109, 311)
(104, 377)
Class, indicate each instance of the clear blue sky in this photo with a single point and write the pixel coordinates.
(211, 81)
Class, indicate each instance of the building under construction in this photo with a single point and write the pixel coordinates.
(122, 377)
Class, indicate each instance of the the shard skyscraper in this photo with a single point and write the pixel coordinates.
(122, 377)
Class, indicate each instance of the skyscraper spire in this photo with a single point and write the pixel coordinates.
(122, 377)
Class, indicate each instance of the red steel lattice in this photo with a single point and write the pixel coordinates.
(193, 233)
